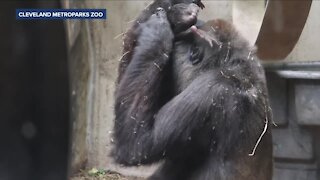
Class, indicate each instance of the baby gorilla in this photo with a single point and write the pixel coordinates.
(198, 102)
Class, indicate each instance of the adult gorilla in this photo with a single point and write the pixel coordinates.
(195, 97)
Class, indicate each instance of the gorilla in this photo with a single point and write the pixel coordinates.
(193, 96)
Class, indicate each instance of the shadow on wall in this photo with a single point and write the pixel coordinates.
(281, 28)
(34, 96)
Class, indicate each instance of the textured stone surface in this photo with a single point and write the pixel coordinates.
(308, 103)
(296, 149)
(79, 78)
(79, 71)
(277, 88)
(295, 171)
(294, 174)
(294, 144)
(73, 26)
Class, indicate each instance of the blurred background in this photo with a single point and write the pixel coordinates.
(57, 81)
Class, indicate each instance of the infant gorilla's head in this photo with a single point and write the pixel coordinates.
(182, 16)
(197, 2)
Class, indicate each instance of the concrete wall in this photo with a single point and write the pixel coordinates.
(247, 16)
(308, 46)
(80, 71)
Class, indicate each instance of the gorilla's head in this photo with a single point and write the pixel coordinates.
(197, 2)
(213, 45)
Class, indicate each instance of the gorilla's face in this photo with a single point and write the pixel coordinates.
(214, 45)
(192, 55)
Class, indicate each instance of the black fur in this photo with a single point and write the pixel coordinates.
(130, 40)
(208, 124)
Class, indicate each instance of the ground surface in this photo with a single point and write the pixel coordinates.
(98, 174)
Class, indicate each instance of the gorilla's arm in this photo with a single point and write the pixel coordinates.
(132, 35)
(142, 91)
(185, 113)
(174, 127)
(212, 107)
(138, 94)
